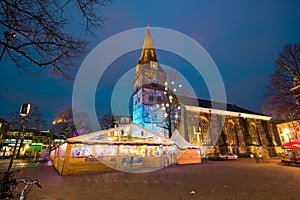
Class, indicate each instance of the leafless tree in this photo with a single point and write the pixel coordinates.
(280, 101)
(106, 121)
(83, 123)
(35, 33)
(63, 123)
(34, 119)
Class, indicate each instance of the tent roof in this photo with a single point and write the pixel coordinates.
(125, 134)
(179, 140)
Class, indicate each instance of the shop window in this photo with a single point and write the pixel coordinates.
(124, 120)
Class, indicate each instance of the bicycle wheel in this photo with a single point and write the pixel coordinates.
(25, 192)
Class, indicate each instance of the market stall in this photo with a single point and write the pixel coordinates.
(186, 153)
(127, 148)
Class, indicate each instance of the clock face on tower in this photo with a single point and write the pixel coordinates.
(154, 65)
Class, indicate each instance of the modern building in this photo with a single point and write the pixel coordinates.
(30, 144)
(220, 128)
(121, 120)
(287, 130)
(4, 125)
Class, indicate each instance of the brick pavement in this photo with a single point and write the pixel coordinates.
(236, 180)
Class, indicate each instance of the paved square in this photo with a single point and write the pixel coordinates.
(242, 179)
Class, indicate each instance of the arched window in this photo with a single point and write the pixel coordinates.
(159, 98)
(202, 132)
(253, 134)
(150, 97)
(230, 132)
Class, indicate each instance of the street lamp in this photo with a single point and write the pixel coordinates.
(5, 181)
(25, 108)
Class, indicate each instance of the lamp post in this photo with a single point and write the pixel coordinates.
(25, 108)
(5, 182)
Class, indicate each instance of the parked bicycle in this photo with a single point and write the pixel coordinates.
(28, 185)
(9, 183)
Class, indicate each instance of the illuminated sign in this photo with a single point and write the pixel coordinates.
(36, 143)
(13, 144)
(14, 141)
(11, 140)
(58, 140)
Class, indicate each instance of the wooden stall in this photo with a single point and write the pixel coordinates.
(186, 153)
(128, 148)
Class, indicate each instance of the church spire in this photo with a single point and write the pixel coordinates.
(148, 42)
(148, 52)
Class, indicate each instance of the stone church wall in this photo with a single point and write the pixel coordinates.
(218, 133)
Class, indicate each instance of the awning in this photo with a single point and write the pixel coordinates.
(179, 140)
(292, 145)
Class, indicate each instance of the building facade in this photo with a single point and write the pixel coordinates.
(4, 126)
(227, 128)
(287, 130)
(236, 130)
(146, 94)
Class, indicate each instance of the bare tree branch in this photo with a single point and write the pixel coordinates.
(280, 101)
(35, 33)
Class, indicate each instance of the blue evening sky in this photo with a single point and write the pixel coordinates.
(242, 37)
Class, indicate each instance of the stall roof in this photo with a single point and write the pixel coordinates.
(179, 140)
(126, 134)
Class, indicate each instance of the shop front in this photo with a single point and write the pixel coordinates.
(128, 148)
(9, 144)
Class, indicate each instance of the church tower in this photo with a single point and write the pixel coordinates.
(148, 87)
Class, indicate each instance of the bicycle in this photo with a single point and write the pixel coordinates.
(9, 190)
(28, 185)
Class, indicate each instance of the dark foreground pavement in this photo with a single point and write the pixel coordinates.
(242, 179)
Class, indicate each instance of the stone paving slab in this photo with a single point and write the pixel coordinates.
(232, 180)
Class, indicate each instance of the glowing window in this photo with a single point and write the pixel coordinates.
(159, 99)
(151, 98)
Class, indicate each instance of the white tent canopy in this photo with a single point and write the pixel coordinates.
(131, 133)
(179, 140)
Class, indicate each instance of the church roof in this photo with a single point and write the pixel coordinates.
(148, 42)
(148, 52)
(208, 104)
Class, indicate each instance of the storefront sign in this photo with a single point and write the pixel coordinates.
(14, 141)
(94, 159)
(101, 159)
(36, 144)
(132, 160)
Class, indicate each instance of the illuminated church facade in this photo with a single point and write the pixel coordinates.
(146, 96)
(233, 129)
